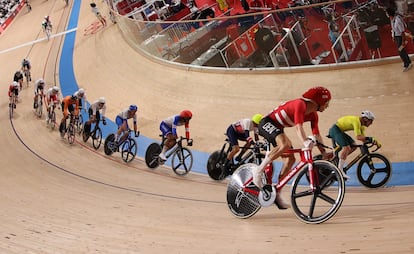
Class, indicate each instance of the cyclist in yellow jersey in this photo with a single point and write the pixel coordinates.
(348, 123)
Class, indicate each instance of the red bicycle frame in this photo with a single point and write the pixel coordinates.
(305, 159)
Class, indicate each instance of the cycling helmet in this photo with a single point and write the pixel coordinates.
(257, 118)
(133, 107)
(41, 81)
(55, 89)
(74, 97)
(368, 114)
(47, 17)
(81, 91)
(101, 100)
(186, 114)
(15, 84)
(320, 95)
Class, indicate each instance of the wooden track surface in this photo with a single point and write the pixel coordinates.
(58, 198)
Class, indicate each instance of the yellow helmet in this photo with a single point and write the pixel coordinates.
(257, 118)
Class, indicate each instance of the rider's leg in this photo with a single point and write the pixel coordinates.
(35, 101)
(168, 144)
(283, 144)
(288, 162)
(343, 154)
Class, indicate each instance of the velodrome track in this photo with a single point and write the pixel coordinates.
(57, 198)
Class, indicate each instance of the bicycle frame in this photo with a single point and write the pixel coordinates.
(306, 159)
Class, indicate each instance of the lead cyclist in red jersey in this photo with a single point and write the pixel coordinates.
(292, 113)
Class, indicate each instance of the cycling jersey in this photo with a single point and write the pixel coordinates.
(13, 89)
(18, 76)
(38, 87)
(240, 130)
(50, 97)
(291, 113)
(347, 123)
(95, 108)
(70, 106)
(170, 124)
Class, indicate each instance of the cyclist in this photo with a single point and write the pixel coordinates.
(13, 88)
(46, 23)
(38, 91)
(168, 128)
(98, 14)
(292, 113)
(70, 105)
(26, 66)
(80, 93)
(95, 115)
(122, 122)
(52, 99)
(240, 130)
(347, 123)
(18, 77)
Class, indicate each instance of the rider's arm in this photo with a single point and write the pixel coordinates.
(301, 132)
(187, 130)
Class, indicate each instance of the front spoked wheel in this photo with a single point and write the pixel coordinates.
(242, 194)
(182, 161)
(97, 138)
(71, 134)
(214, 166)
(151, 155)
(129, 150)
(314, 206)
(374, 171)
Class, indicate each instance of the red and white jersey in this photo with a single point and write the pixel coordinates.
(244, 125)
(50, 96)
(291, 113)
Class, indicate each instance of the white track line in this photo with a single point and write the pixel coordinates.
(38, 40)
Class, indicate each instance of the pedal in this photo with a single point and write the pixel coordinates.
(267, 195)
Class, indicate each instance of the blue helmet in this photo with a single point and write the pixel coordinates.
(133, 107)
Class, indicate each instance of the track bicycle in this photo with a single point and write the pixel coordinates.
(95, 134)
(374, 170)
(48, 31)
(182, 158)
(71, 130)
(51, 119)
(127, 144)
(39, 106)
(12, 105)
(27, 75)
(216, 163)
(313, 199)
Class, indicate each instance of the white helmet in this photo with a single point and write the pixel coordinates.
(41, 81)
(15, 84)
(55, 89)
(101, 100)
(81, 91)
(368, 114)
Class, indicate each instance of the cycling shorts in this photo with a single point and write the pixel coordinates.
(234, 136)
(119, 121)
(165, 129)
(269, 130)
(340, 137)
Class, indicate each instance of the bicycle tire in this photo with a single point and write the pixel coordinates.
(182, 161)
(214, 169)
(151, 155)
(129, 150)
(375, 177)
(319, 205)
(97, 138)
(71, 133)
(79, 125)
(53, 120)
(242, 204)
(109, 142)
